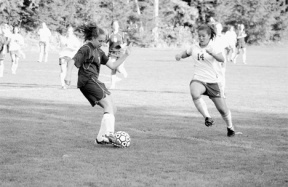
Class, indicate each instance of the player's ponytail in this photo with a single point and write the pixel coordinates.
(90, 31)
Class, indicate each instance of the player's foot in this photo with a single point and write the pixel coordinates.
(113, 141)
(103, 142)
(209, 122)
(230, 132)
(64, 88)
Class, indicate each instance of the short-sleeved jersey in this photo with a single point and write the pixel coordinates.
(115, 40)
(89, 59)
(205, 64)
(44, 34)
(16, 41)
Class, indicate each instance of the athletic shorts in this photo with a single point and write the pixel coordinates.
(213, 90)
(94, 91)
(64, 60)
(16, 52)
(240, 43)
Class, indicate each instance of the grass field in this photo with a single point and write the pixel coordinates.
(47, 134)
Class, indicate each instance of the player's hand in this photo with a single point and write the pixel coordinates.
(178, 57)
(209, 51)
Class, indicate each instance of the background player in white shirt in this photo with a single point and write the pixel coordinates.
(69, 45)
(231, 37)
(44, 39)
(205, 78)
(15, 44)
(241, 44)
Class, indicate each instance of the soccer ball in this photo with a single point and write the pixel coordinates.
(123, 138)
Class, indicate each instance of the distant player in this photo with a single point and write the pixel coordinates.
(117, 43)
(69, 45)
(44, 40)
(205, 79)
(4, 41)
(241, 45)
(16, 42)
(88, 60)
(231, 37)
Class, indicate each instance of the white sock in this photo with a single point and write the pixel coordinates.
(228, 120)
(202, 107)
(107, 127)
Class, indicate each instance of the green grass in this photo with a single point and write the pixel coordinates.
(47, 134)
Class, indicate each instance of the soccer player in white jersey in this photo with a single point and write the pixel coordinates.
(69, 46)
(44, 38)
(16, 42)
(205, 79)
(231, 37)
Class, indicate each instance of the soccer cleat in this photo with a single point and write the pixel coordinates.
(230, 132)
(112, 139)
(101, 142)
(209, 122)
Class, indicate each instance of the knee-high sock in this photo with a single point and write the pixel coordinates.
(202, 107)
(1, 69)
(228, 120)
(62, 77)
(107, 126)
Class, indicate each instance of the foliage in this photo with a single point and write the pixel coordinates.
(264, 19)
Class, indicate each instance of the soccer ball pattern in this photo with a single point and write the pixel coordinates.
(123, 138)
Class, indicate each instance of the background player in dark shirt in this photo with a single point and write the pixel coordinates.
(88, 60)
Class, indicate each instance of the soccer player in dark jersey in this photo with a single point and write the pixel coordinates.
(117, 42)
(88, 60)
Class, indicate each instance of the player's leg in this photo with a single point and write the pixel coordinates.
(221, 106)
(107, 128)
(244, 55)
(63, 71)
(41, 53)
(122, 70)
(114, 77)
(1, 67)
(46, 48)
(196, 91)
(16, 63)
(12, 55)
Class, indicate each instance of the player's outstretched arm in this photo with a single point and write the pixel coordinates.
(67, 79)
(114, 65)
(181, 55)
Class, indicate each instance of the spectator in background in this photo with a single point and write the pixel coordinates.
(44, 34)
(16, 42)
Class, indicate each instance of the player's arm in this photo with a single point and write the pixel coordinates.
(218, 56)
(181, 55)
(114, 65)
(77, 60)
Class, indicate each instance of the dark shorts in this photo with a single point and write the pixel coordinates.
(240, 43)
(64, 60)
(94, 91)
(213, 90)
(17, 53)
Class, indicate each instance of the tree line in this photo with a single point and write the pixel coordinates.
(265, 20)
